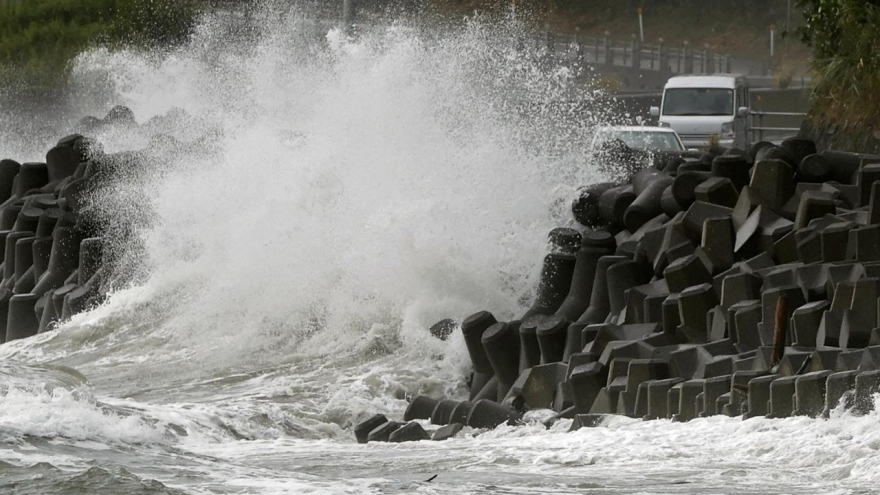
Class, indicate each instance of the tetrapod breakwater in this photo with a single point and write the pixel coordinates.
(55, 257)
(732, 282)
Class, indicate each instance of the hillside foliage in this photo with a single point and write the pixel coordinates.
(845, 38)
(38, 38)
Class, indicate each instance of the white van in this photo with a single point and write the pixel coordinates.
(698, 107)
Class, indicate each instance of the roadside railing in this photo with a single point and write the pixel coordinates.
(771, 125)
(659, 56)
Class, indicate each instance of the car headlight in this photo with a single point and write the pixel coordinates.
(727, 130)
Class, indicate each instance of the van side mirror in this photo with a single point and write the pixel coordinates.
(742, 111)
(654, 111)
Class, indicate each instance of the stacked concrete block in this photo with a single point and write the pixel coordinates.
(866, 387)
(742, 285)
(48, 241)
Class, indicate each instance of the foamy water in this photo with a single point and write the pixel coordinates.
(344, 194)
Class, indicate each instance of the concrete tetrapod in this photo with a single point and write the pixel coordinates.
(58, 296)
(8, 170)
(28, 219)
(91, 252)
(21, 320)
(585, 206)
(839, 390)
(578, 299)
(79, 300)
(574, 340)
(24, 262)
(501, 343)
(62, 161)
(717, 190)
(684, 186)
(443, 412)
(599, 301)
(733, 167)
(410, 432)
(622, 276)
(810, 391)
(647, 204)
(446, 432)
(9, 259)
(488, 414)
(658, 392)
(564, 240)
(8, 216)
(556, 278)
(63, 260)
(421, 407)
(382, 432)
(473, 328)
(362, 430)
(782, 392)
(31, 176)
(613, 204)
(867, 386)
(798, 148)
(461, 412)
(668, 203)
(48, 221)
(440, 330)
(5, 296)
(529, 348)
(48, 316)
(552, 334)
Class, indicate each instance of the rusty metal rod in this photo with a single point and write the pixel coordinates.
(779, 330)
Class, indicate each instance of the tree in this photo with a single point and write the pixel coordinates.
(845, 38)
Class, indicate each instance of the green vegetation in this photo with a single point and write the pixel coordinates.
(845, 38)
(38, 38)
(733, 27)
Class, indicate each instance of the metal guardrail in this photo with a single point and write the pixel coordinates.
(660, 56)
(758, 131)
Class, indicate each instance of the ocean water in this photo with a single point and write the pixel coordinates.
(339, 193)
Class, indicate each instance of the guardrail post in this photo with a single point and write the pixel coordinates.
(606, 44)
(747, 121)
(709, 60)
(758, 132)
(754, 117)
(662, 56)
(760, 127)
(636, 52)
(549, 40)
(346, 15)
(688, 57)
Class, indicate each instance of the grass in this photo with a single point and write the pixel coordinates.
(734, 27)
(38, 38)
(846, 71)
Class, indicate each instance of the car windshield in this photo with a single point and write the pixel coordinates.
(698, 101)
(643, 140)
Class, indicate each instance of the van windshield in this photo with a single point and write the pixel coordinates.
(698, 101)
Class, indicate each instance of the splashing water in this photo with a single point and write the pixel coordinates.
(338, 194)
(356, 188)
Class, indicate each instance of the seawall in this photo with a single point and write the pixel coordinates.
(57, 245)
(737, 283)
